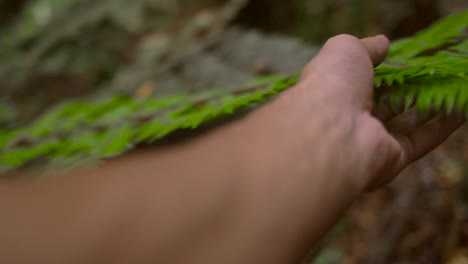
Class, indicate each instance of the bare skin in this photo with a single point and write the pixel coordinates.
(263, 189)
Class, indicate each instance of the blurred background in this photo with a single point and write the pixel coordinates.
(54, 50)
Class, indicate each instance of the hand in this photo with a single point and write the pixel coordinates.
(384, 144)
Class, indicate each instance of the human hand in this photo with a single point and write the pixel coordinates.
(382, 143)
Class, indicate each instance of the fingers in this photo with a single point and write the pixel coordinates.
(427, 137)
(413, 140)
(383, 112)
(377, 48)
(407, 122)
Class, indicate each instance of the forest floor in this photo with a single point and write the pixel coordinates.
(420, 218)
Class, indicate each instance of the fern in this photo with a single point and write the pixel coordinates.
(429, 70)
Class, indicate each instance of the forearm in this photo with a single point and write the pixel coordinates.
(130, 210)
(242, 194)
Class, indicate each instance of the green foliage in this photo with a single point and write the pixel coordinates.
(429, 70)
(105, 128)
(445, 32)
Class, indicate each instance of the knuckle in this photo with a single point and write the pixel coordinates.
(350, 46)
(408, 148)
(343, 38)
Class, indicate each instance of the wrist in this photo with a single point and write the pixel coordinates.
(303, 134)
(295, 164)
(295, 160)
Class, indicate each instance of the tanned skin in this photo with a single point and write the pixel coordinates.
(263, 189)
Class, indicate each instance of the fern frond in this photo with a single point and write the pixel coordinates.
(84, 130)
(433, 81)
(429, 70)
(448, 31)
